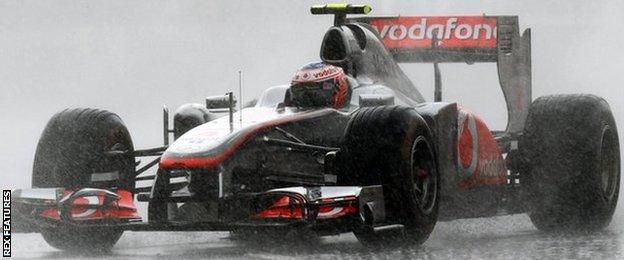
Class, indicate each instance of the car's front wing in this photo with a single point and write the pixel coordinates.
(328, 209)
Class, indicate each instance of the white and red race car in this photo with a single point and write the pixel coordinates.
(382, 163)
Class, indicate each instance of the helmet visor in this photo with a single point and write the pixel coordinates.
(313, 94)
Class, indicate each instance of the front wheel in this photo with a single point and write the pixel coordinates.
(71, 154)
(392, 146)
(95, 240)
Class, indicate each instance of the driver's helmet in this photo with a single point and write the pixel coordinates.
(319, 85)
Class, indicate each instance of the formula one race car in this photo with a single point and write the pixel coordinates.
(349, 146)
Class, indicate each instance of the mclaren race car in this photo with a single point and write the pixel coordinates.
(350, 145)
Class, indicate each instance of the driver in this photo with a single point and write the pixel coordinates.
(320, 85)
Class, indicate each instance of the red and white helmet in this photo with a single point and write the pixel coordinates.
(320, 85)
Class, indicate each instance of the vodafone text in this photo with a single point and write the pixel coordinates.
(425, 30)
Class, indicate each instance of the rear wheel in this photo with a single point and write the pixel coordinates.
(571, 163)
(71, 154)
(391, 146)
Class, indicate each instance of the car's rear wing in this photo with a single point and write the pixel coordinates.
(436, 39)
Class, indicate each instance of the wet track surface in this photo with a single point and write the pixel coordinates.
(509, 237)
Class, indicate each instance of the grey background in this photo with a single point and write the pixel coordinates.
(131, 57)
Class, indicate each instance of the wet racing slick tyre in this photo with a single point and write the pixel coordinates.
(71, 154)
(571, 163)
(392, 146)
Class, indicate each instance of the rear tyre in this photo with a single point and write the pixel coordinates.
(71, 154)
(571, 163)
(392, 146)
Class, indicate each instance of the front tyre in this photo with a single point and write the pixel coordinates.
(392, 146)
(571, 163)
(88, 240)
(71, 154)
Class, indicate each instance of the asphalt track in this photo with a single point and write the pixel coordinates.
(508, 237)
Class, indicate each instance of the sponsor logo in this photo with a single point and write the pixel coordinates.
(450, 32)
(91, 200)
(472, 156)
(6, 223)
(316, 72)
(468, 134)
(325, 72)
